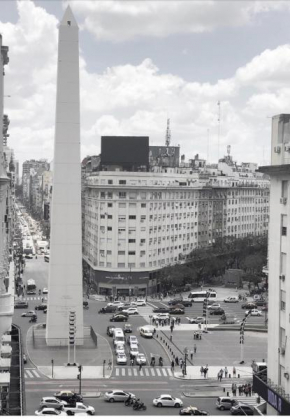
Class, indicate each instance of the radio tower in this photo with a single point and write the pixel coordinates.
(168, 134)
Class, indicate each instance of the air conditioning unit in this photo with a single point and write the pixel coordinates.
(287, 148)
(277, 149)
(282, 277)
(283, 201)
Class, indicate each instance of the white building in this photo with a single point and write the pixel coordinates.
(277, 390)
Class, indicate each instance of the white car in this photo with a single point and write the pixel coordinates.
(79, 408)
(116, 303)
(254, 312)
(196, 320)
(131, 310)
(139, 303)
(140, 359)
(28, 313)
(161, 316)
(49, 411)
(231, 300)
(117, 396)
(121, 359)
(120, 349)
(134, 350)
(167, 400)
(45, 291)
(213, 306)
(132, 340)
(53, 402)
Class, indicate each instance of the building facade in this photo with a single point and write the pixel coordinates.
(275, 389)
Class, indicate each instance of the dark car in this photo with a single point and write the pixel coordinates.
(161, 310)
(108, 309)
(176, 310)
(261, 303)
(186, 303)
(217, 311)
(249, 306)
(127, 328)
(110, 330)
(174, 302)
(120, 317)
(192, 411)
(69, 396)
(21, 304)
(242, 410)
(40, 307)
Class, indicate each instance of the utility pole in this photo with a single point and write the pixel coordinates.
(79, 377)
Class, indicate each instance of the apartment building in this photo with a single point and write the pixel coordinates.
(275, 387)
(29, 170)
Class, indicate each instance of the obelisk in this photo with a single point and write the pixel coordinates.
(65, 291)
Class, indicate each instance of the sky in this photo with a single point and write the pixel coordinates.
(142, 62)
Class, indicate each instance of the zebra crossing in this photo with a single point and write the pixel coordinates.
(144, 372)
(31, 373)
(38, 298)
(250, 400)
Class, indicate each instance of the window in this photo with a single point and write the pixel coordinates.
(102, 216)
(110, 205)
(143, 205)
(122, 205)
(122, 195)
(121, 253)
(132, 241)
(122, 182)
(110, 182)
(284, 225)
(132, 217)
(284, 191)
(103, 195)
(110, 217)
(109, 252)
(131, 253)
(283, 300)
(121, 265)
(109, 228)
(110, 195)
(122, 218)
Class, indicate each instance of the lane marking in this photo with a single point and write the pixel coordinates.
(158, 372)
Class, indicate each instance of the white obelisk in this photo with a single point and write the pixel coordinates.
(65, 291)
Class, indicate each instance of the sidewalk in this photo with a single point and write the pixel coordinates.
(193, 373)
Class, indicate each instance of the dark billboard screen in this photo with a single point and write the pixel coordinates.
(125, 151)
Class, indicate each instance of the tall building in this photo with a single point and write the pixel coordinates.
(275, 388)
(65, 268)
(29, 169)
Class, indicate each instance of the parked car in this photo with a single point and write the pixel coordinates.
(117, 396)
(254, 312)
(28, 314)
(225, 403)
(192, 411)
(116, 303)
(119, 317)
(217, 311)
(123, 306)
(242, 409)
(21, 304)
(161, 310)
(52, 402)
(68, 396)
(110, 330)
(231, 300)
(40, 307)
(249, 306)
(127, 328)
(176, 310)
(140, 359)
(168, 401)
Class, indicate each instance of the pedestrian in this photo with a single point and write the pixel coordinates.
(171, 328)
(172, 365)
(250, 390)
(194, 335)
(226, 372)
(199, 325)
(246, 390)
(140, 367)
(181, 362)
(195, 348)
(191, 355)
(234, 372)
(132, 361)
(176, 360)
(109, 365)
(219, 376)
(205, 370)
(201, 371)
(154, 331)
(234, 389)
(240, 390)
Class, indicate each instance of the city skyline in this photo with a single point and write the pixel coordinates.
(176, 62)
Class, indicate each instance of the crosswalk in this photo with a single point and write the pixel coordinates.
(35, 298)
(31, 373)
(144, 372)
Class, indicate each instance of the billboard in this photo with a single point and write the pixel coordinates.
(129, 152)
(164, 156)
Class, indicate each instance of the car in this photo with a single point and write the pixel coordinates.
(68, 396)
(45, 291)
(265, 308)
(174, 302)
(176, 310)
(217, 311)
(119, 348)
(231, 300)
(192, 411)
(21, 304)
(249, 306)
(186, 303)
(53, 402)
(257, 297)
(127, 328)
(132, 340)
(242, 409)
(124, 306)
(40, 307)
(161, 316)
(49, 411)
(214, 306)
(147, 331)
(140, 359)
(120, 317)
(110, 330)
(167, 400)
(30, 256)
(121, 359)
(28, 314)
(225, 403)
(139, 303)
(117, 396)
(79, 408)
(134, 350)
(260, 303)
(196, 320)
(130, 311)
(108, 309)
(161, 310)
(116, 303)
(254, 312)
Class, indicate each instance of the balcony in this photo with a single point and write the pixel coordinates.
(274, 395)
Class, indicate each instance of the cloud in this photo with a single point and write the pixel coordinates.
(121, 20)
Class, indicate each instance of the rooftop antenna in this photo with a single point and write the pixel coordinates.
(219, 127)
(168, 133)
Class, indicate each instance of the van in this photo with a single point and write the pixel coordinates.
(146, 332)
(225, 403)
(118, 336)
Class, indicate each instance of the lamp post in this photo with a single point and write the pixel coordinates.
(104, 364)
(79, 377)
(242, 335)
(52, 368)
(185, 351)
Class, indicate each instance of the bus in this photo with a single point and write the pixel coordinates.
(200, 296)
(31, 287)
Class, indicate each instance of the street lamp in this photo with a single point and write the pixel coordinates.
(242, 335)
(185, 351)
(104, 364)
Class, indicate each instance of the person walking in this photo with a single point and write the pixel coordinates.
(171, 328)
(205, 370)
(246, 390)
(181, 363)
(140, 367)
(109, 365)
(172, 365)
(176, 360)
(194, 348)
(201, 371)
(132, 361)
(191, 355)
(234, 372)
(250, 390)
(240, 390)
(226, 372)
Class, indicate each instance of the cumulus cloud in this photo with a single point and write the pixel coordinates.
(121, 20)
